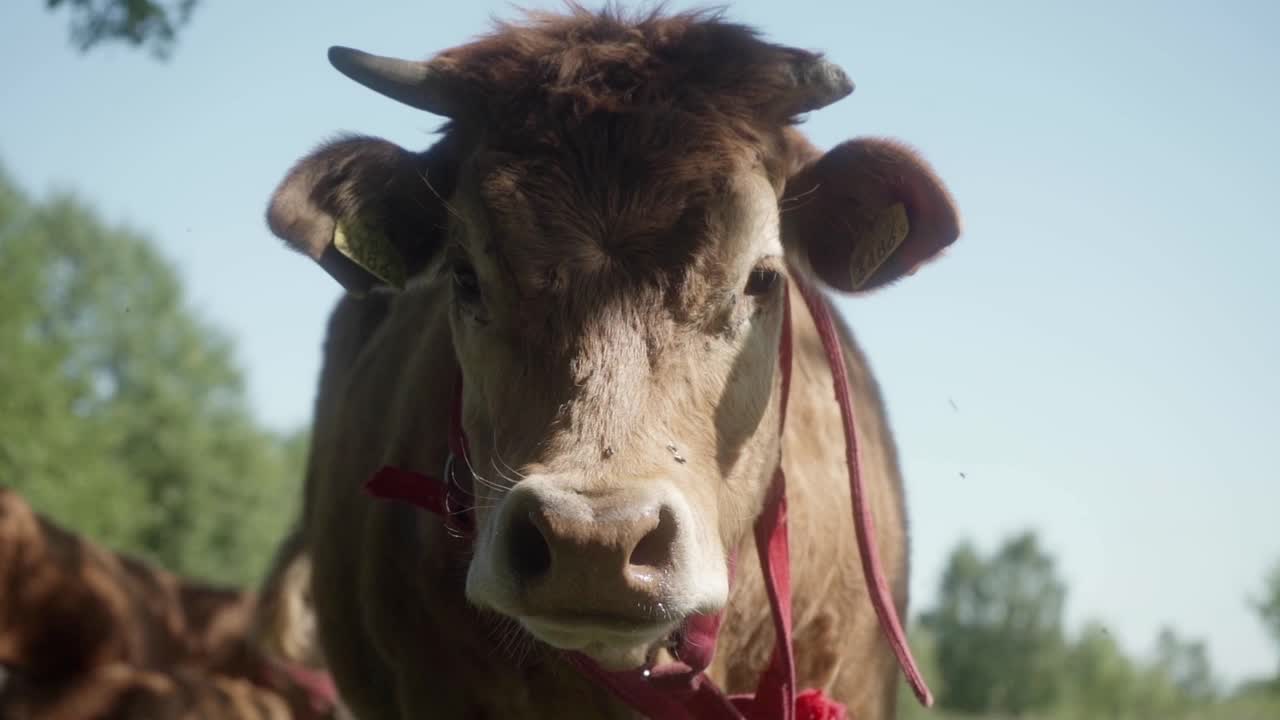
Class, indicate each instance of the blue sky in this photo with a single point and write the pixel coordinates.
(1107, 326)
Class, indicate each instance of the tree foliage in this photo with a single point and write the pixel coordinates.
(1268, 608)
(1099, 678)
(1185, 664)
(151, 23)
(998, 629)
(122, 413)
(1102, 682)
(997, 623)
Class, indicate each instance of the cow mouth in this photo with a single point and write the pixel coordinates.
(613, 643)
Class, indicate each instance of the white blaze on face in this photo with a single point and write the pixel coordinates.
(693, 575)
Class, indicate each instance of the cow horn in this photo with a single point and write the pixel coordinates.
(417, 84)
(818, 83)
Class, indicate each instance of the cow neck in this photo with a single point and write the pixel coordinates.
(448, 496)
(681, 690)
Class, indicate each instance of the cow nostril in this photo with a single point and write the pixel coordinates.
(527, 549)
(655, 548)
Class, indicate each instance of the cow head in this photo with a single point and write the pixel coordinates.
(614, 209)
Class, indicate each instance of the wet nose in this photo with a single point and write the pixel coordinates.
(568, 550)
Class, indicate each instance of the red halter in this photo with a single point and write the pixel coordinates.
(282, 677)
(681, 690)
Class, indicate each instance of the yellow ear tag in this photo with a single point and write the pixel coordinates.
(370, 250)
(886, 236)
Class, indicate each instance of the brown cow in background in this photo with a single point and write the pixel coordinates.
(121, 692)
(87, 633)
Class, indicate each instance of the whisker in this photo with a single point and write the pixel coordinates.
(485, 482)
(519, 475)
(497, 458)
(505, 477)
(482, 480)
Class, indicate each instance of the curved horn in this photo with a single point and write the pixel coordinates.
(417, 84)
(818, 83)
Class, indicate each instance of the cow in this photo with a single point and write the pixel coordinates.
(118, 691)
(587, 277)
(88, 632)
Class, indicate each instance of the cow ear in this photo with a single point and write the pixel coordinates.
(867, 213)
(369, 212)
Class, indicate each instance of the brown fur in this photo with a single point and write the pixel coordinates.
(70, 604)
(534, 80)
(121, 692)
(84, 630)
(612, 191)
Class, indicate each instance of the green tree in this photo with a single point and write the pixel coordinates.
(1100, 679)
(153, 23)
(1268, 609)
(1102, 682)
(1185, 663)
(122, 413)
(998, 629)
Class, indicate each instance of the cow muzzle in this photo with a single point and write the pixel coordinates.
(610, 573)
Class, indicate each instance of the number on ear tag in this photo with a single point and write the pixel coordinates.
(885, 237)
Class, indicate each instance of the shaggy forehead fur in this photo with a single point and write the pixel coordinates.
(552, 71)
(607, 150)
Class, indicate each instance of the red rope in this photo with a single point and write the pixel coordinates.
(863, 524)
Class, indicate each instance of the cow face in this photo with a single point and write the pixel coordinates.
(615, 234)
(639, 330)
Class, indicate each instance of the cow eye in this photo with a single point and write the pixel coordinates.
(761, 281)
(465, 282)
